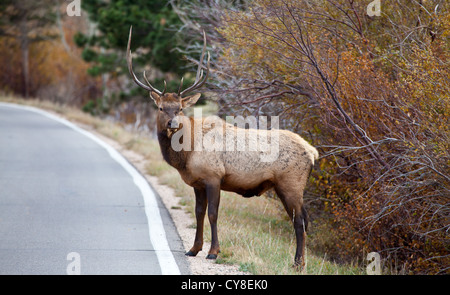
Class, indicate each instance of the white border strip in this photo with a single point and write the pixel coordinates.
(158, 238)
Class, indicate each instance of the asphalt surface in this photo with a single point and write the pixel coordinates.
(67, 206)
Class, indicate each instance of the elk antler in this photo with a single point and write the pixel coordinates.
(148, 87)
(198, 78)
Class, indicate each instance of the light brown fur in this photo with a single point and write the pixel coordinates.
(242, 172)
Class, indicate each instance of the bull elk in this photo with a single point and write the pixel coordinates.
(209, 172)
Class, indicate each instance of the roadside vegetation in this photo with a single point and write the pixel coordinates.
(371, 93)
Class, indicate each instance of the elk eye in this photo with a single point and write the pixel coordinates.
(160, 109)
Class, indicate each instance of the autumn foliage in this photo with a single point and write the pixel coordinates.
(372, 94)
(41, 60)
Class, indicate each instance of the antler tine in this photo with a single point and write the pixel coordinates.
(181, 85)
(165, 85)
(130, 69)
(198, 78)
(201, 58)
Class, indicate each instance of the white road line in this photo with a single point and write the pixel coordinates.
(157, 233)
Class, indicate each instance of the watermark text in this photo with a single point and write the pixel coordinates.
(374, 265)
(212, 134)
(74, 8)
(74, 267)
(374, 8)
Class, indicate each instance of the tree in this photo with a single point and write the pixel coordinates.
(27, 22)
(152, 34)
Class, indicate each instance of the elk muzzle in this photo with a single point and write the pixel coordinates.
(173, 124)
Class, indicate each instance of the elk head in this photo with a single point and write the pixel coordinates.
(171, 105)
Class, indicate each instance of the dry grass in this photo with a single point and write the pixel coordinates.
(254, 233)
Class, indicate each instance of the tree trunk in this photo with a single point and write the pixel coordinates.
(24, 47)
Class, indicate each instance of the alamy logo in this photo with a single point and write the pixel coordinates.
(374, 265)
(374, 8)
(74, 267)
(74, 8)
(212, 134)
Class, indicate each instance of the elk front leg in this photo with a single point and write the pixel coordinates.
(213, 196)
(200, 210)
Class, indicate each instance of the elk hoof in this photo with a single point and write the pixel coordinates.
(299, 266)
(211, 256)
(190, 253)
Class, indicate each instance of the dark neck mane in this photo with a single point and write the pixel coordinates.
(175, 159)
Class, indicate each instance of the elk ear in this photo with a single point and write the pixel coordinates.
(190, 100)
(156, 97)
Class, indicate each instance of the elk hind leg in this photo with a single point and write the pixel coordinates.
(293, 203)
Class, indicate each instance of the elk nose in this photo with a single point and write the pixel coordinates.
(172, 123)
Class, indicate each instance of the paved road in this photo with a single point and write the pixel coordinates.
(67, 204)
